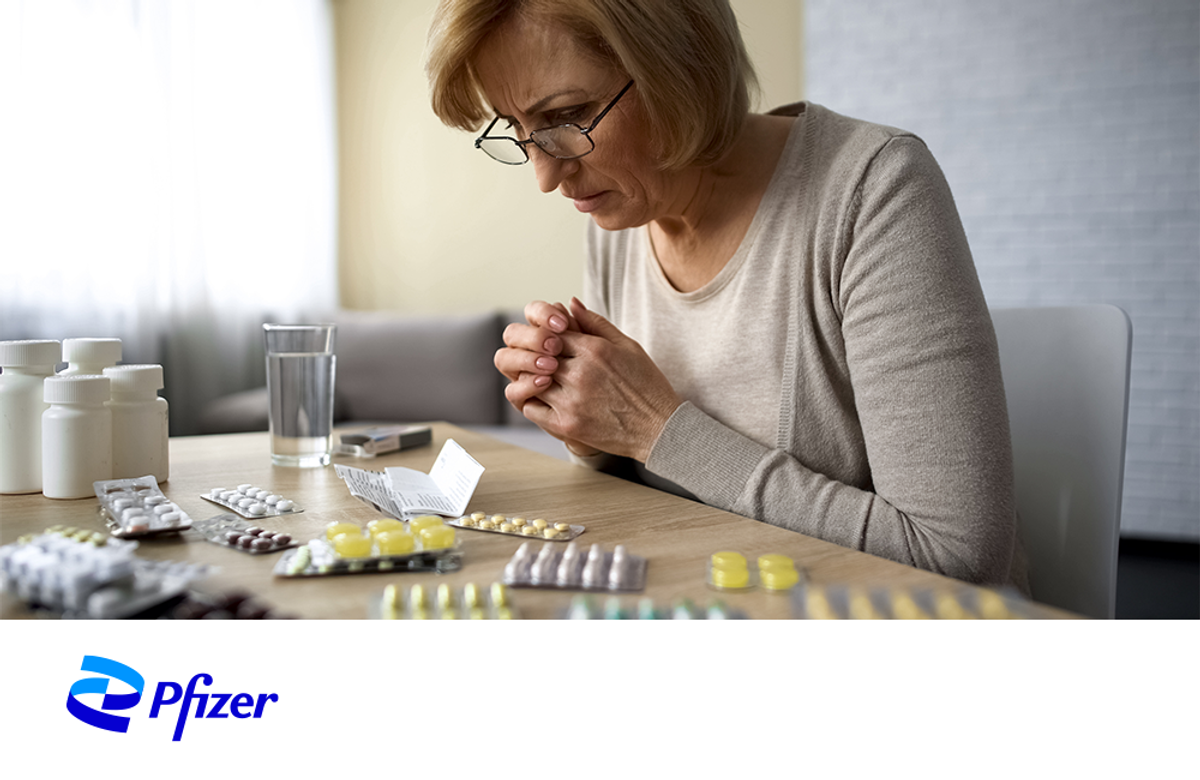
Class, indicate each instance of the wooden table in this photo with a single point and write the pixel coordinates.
(676, 535)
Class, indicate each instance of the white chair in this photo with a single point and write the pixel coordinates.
(1066, 378)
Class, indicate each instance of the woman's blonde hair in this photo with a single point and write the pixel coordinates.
(687, 57)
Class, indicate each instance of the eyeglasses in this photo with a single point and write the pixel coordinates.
(563, 142)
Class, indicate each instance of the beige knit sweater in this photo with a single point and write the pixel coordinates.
(840, 373)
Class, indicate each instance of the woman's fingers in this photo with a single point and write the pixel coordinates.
(514, 362)
(526, 388)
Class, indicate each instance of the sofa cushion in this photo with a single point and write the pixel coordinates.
(419, 367)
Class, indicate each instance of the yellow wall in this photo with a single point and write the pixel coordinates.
(429, 225)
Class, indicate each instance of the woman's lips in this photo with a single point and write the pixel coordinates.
(589, 202)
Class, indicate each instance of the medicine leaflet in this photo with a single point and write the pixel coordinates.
(404, 493)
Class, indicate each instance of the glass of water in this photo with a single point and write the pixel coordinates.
(300, 373)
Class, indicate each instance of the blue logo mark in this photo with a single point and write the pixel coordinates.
(112, 701)
(208, 705)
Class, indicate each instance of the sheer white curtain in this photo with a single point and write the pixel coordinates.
(167, 176)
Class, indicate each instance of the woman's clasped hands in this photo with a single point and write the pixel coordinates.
(580, 379)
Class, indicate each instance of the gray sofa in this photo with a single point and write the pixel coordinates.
(407, 368)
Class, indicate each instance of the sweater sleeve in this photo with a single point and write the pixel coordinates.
(926, 387)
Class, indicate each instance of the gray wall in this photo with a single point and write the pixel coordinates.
(1070, 133)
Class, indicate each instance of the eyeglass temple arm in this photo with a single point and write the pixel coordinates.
(609, 107)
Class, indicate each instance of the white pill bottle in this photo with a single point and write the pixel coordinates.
(25, 364)
(89, 356)
(139, 420)
(76, 435)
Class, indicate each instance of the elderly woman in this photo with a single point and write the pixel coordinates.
(782, 315)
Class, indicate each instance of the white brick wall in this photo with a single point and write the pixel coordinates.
(1070, 133)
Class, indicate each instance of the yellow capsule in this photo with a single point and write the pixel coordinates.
(336, 529)
(471, 596)
(352, 545)
(437, 537)
(387, 604)
(904, 608)
(383, 525)
(730, 561)
(518, 521)
(499, 594)
(395, 543)
(540, 524)
(948, 607)
(773, 560)
(417, 599)
(992, 606)
(730, 578)
(861, 607)
(817, 605)
(418, 524)
(445, 597)
(778, 578)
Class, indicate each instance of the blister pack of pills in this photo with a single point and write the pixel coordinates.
(811, 601)
(135, 508)
(470, 602)
(227, 605)
(730, 571)
(82, 574)
(614, 608)
(570, 568)
(252, 501)
(386, 545)
(518, 526)
(232, 531)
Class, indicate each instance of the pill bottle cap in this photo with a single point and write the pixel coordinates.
(103, 351)
(78, 389)
(32, 352)
(135, 378)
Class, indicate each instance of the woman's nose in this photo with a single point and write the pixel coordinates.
(551, 171)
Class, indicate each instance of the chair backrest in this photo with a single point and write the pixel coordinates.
(1066, 378)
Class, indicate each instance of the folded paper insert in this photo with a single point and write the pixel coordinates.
(405, 493)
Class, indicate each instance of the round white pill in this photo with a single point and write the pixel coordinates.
(257, 509)
(243, 488)
(245, 502)
(216, 492)
(261, 494)
(271, 500)
(283, 505)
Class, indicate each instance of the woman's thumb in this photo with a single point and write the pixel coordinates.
(592, 323)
